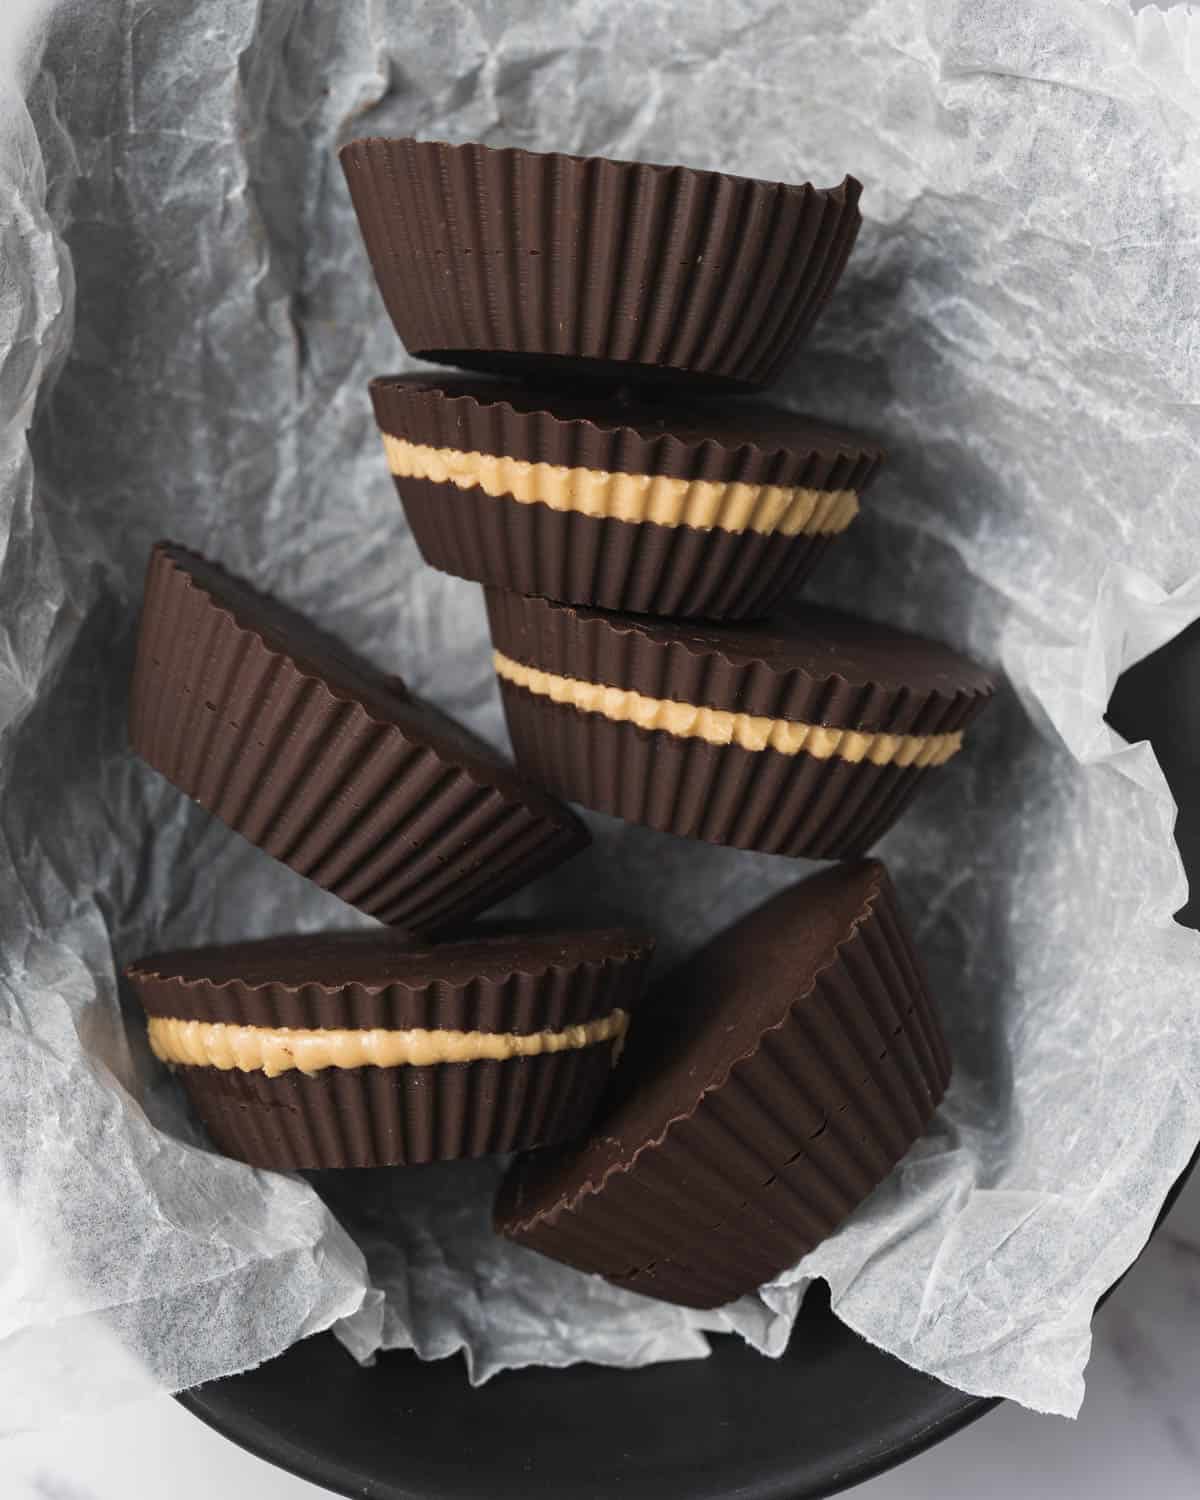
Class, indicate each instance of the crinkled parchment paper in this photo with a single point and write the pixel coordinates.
(187, 324)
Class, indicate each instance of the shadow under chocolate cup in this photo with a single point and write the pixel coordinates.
(327, 764)
(805, 735)
(362, 1049)
(552, 265)
(714, 509)
(770, 1084)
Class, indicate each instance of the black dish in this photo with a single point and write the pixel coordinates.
(832, 1412)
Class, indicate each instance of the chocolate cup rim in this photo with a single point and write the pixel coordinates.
(544, 804)
(438, 524)
(874, 805)
(624, 625)
(640, 945)
(861, 450)
(514, 1228)
(166, 547)
(850, 186)
(565, 1120)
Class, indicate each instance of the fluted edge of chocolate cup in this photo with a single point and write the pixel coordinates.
(491, 258)
(604, 974)
(365, 807)
(749, 442)
(780, 1150)
(644, 656)
(402, 1116)
(643, 567)
(795, 805)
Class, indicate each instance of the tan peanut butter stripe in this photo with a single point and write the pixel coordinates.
(706, 504)
(275, 1050)
(720, 726)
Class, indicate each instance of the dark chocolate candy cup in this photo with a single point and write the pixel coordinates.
(513, 261)
(645, 567)
(797, 805)
(330, 767)
(793, 1129)
(398, 1116)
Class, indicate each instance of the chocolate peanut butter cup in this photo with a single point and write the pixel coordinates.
(363, 1049)
(518, 262)
(712, 510)
(326, 763)
(804, 735)
(770, 1084)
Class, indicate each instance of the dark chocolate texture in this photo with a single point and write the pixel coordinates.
(769, 1085)
(384, 1117)
(811, 665)
(286, 630)
(505, 259)
(730, 440)
(794, 805)
(491, 979)
(684, 571)
(323, 762)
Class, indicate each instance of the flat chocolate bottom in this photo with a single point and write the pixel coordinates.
(381, 1117)
(644, 568)
(583, 369)
(746, 799)
(519, 261)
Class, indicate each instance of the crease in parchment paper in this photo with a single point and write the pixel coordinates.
(187, 325)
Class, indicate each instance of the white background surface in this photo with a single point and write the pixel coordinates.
(1139, 1434)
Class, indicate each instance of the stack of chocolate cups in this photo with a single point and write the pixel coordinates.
(641, 523)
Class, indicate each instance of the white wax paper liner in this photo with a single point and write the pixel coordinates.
(1016, 324)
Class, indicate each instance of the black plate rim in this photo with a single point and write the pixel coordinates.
(266, 1443)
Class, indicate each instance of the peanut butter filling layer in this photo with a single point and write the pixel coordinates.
(703, 503)
(722, 727)
(275, 1050)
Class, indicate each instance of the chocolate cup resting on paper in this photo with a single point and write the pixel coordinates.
(363, 1049)
(324, 762)
(518, 262)
(770, 1084)
(713, 510)
(806, 735)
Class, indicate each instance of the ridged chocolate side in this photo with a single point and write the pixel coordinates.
(726, 441)
(643, 567)
(482, 253)
(796, 805)
(689, 665)
(522, 1001)
(773, 1158)
(388, 815)
(380, 1117)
